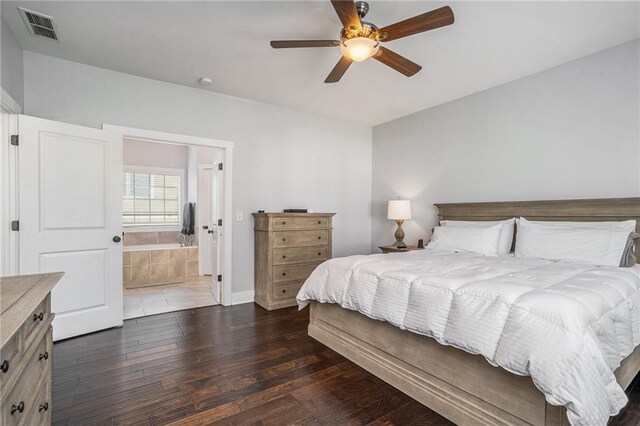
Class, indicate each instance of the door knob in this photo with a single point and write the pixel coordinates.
(210, 231)
(117, 239)
(205, 227)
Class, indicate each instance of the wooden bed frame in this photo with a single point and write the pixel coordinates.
(460, 386)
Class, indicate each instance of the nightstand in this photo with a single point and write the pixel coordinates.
(394, 249)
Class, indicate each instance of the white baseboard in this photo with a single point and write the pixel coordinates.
(242, 297)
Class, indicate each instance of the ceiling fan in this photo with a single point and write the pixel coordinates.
(360, 40)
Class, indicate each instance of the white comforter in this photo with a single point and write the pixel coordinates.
(566, 325)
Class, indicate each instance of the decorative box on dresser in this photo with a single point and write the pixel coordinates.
(25, 353)
(288, 247)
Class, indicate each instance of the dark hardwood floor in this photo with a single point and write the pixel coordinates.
(228, 365)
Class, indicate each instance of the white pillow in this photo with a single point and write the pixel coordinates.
(629, 225)
(505, 241)
(475, 240)
(595, 246)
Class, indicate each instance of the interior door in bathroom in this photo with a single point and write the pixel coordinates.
(70, 204)
(211, 233)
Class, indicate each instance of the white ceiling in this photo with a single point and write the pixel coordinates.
(179, 42)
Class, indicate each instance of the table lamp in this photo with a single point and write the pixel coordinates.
(399, 210)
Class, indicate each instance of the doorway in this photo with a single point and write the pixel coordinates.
(224, 186)
(170, 213)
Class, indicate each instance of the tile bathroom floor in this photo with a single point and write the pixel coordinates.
(192, 293)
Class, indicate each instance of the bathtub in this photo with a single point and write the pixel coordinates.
(158, 264)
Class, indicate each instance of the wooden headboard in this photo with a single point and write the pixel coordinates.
(601, 209)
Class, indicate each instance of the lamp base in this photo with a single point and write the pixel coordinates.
(399, 236)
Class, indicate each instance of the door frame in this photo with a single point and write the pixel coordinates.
(227, 147)
(9, 240)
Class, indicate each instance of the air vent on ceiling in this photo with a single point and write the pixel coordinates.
(39, 25)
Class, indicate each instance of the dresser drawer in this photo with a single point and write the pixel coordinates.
(286, 291)
(300, 254)
(40, 413)
(300, 238)
(20, 401)
(283, 274)
(283, 223)
(37, 319)
(9, 358)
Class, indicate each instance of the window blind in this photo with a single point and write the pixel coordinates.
(150, 198)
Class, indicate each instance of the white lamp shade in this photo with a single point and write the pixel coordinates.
(399, 210)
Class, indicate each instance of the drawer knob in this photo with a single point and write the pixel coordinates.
(284, 291)
(319, 237)
(44, 407)
(284, 256)
(284, 273)
(39, 316)
(319, 254)
(284, 239)
(319, 223)
(45, 355)
(19, 408)
(284, 223)
(5, 366)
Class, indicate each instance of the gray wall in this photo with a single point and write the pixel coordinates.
(154, 154)
(568, 132)
(11, 73)
(282, 158)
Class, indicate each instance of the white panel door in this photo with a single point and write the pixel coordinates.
(217, 180)
(211, 233)
(70, 191)
(209, 223)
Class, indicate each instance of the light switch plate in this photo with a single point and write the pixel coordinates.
(239, 216)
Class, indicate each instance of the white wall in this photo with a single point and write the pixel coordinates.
(11, 68)
(282, 158)
(569, 132)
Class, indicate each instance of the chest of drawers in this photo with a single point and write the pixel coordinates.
(288, 247)
(26, 349)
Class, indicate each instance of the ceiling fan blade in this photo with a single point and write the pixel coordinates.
(284, 44)
(397, 62)
(347, 13)
(427, 21)
(338, 71)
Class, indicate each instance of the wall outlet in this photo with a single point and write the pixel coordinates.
(239, 216)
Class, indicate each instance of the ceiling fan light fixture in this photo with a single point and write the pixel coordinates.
(359, 48)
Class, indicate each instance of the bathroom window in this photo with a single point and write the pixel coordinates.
(151, 198)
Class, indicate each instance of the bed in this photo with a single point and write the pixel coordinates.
(459, 385)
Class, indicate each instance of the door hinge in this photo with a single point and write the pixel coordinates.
(15, 225)
(220, 166)
(15, 140)
(219, 222)
(219, 278)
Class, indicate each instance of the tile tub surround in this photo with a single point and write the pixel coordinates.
(143, 268)
(156, 237)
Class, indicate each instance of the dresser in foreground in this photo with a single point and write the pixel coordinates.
(288, 247)
(26, 341)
